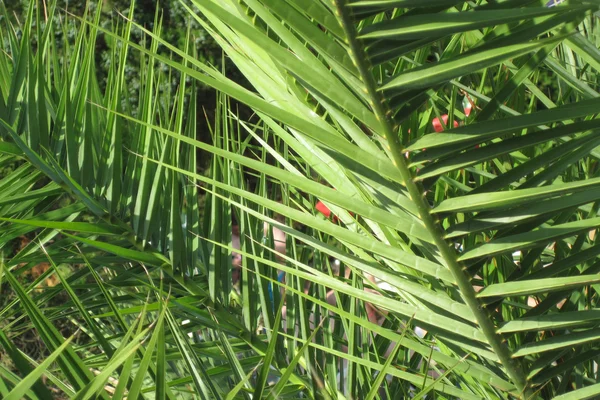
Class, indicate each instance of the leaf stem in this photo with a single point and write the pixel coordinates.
(416, 192)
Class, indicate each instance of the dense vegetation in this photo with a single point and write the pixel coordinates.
(452, 146)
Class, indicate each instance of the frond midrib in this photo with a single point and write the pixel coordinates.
(415, 191)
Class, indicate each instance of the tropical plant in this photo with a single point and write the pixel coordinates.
(475, 244)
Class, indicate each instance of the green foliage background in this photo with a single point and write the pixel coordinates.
(483, 235)
(175, 24)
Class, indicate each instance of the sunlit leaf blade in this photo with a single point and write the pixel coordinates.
(24, 385)
(551, 321)
(526, 287)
